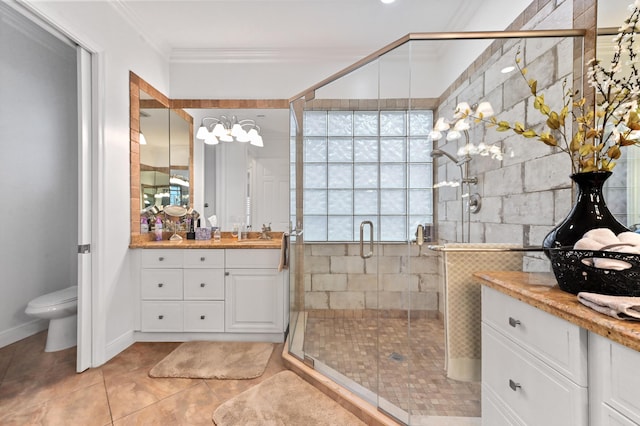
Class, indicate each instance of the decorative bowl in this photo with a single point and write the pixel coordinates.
(575, 272)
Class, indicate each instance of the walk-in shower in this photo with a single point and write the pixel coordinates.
(366, 298)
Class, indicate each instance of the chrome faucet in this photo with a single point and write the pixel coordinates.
(265, 232)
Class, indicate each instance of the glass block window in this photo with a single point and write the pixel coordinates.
(366, 165)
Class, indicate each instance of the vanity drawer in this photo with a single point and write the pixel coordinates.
(253, 258)
(494, 413)
(213, 258)
(161, 284)
(204, 284)
(536, 393)
(204, 316)
(557, 342)
(162, 316)
(161, 258)
(614, 418)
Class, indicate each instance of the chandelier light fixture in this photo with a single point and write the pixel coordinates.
(213, 130)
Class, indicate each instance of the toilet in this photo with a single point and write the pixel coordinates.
(61, 309)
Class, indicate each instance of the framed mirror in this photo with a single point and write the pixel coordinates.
(161, 153)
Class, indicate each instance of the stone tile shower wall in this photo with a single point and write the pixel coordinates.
(529, 191)
(396, 278)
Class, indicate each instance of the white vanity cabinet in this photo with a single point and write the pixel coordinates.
(182, 290)
(254, 295)
(614, 383)
(215, 294)
(534, 365)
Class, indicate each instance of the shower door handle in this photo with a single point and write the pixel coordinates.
(362, 225)
(420, 235)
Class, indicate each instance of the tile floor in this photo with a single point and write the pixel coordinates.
(38, 388)
(411, 370)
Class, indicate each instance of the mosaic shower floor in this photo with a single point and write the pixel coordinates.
(411, 365)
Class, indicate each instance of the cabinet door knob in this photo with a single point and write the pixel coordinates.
(513, 385)
(160, 285)
(160, 259)
(202, 259)
(160, 317)
(514, 322)
(202, 284)
(226, 274)
(201, 317)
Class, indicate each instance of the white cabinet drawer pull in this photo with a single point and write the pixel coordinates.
(202, 284)
(160, 285)
(513, 322)
(160, 259)
(513, 385)
(201, 317)
(160, 317)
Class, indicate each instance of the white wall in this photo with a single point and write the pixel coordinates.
(100, 28)
(39, 151)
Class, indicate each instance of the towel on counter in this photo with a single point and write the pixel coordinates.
(284, 253)
(620, 307)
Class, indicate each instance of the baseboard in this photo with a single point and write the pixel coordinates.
(22, 331)
(118, 345)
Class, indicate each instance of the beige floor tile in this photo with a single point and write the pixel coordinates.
(193, 406)
(135, 390)
(87, 406)
(143, 354)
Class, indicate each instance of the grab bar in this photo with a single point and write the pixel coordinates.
(480, 249)
(362, 225)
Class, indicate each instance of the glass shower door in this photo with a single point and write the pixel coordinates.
(354, 198)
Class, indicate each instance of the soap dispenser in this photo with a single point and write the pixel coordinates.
(158, 229)
(144, 225)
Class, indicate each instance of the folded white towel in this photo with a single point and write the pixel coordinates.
(616, 265)
(602, 239)
(620, 307)
(630, 237)
(587, 244)
(602, 235)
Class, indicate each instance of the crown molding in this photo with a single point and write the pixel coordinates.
(136, 23)
(253, 56)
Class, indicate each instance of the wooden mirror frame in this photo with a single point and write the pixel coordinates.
(137, 84)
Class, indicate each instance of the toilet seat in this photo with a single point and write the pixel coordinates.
(59, 297)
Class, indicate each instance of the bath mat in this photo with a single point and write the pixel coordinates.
(215, 360)
(283, 399)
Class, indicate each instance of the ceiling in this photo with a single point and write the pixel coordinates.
(271, 29)
(237, 31)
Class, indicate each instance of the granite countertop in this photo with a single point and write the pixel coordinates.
(541, 290)
(226, 242)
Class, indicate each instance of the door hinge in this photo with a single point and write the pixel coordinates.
(84, 248)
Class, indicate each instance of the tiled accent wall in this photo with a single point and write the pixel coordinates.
(523, 195)
(396, 277)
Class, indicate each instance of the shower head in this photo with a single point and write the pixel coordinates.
(439, 153)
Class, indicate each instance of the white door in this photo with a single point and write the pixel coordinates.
(84, 348)
(270, 192)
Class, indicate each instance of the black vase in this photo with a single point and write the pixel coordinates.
(589, 212)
